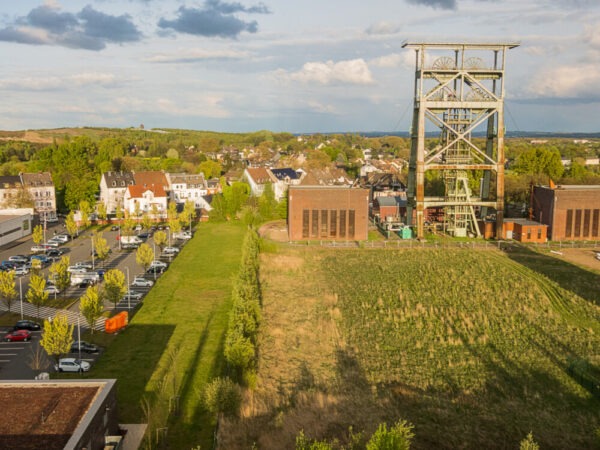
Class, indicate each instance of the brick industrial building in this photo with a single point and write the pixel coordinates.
(330, 213)
(572, 213)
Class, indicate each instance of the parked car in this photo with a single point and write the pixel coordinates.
(21, 270)
(55, 241)
(27, 325)
(38, 249)
(144, 236)
(51, 244)
(43, 259)
(115, 228)
(132, 295)
(142, 282)
(170, 251)
(85, 347)
(61, 238)
(157, 263)
(52, 290)
(76, 269)
(155, 270)
(184, 235)
(84, 264)
(72, 365)
(19, 259)
(9, 265)
(18, 335)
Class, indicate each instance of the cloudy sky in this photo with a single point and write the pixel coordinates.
(282, 65)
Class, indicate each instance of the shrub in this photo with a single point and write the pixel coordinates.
(222, 396)
(396, 438)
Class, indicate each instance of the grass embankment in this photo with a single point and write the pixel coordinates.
(173, 346)
(470, 346)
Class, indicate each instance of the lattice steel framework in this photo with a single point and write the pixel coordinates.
(459, 88)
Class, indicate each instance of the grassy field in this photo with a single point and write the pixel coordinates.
(471, 346)
(174, 343)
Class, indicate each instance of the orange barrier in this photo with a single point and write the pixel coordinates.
(117, 322)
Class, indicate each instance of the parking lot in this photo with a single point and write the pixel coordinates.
(18, 360)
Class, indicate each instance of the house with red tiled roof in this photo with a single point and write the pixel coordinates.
(146, 199)
(151, 178)
(257, 178)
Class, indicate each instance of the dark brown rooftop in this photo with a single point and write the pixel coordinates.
(44, 416)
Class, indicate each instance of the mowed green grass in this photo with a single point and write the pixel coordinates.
(470, 346)
(173, 345)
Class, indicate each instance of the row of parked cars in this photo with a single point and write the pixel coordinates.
(23, 331)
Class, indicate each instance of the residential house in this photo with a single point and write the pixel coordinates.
(185, 187)
(213, 186)
(41, 190)
(285, 177)
(329, 176)
(12, 192)
(145, 199)
(112, 189)
(152, 177)
(257, 178)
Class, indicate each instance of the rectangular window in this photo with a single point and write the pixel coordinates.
(539, 234)
(577, 230)
(595, 222)
(315, 223)
(342, 223)
(586, 222)
(529, 234)
(333, 223)
(324, 222)
(351, 214)
(305, 222)
(569, 223)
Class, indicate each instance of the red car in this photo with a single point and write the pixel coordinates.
(18, 335)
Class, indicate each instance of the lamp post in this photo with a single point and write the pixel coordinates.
(78, 337)
(93, 258)
(21, 295)
(128, 296)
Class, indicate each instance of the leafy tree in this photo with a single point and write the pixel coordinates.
(267, 202)
(57, 336)
(36, 294)
(160, 239)
(118, 212)
(210, 169)
(234, 197)
(540, 161)
(147, 220)
(100, 246)
(128, 226)
(250, 216)
(154, 212)
(239, 351)
(137, 212)
(91, 306)
(173, 218)
(188, 214)
(114, 285)
(71, 225)
(60, 274)
(101, 211)
(85, 210)
(222, 397)
(144, 256)
(528, 443)
(282, 207)
(38, 234)
(397, 437)
(7, 287)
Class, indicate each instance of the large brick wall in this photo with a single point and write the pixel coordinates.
(328, 213)
(571, 213)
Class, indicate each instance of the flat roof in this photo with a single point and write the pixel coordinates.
(44, 414)
(573, 187)
(525, 222)
(462, 45)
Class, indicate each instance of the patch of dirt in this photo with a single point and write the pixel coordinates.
(581, 256)
(276, 231)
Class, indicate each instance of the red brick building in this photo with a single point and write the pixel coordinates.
(524, 230)
(572, 213)
(329, 213)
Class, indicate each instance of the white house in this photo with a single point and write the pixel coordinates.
(41, 190)
(144, 199)
(112, 189)
(184, 187)
(257, 178)
(285, 177)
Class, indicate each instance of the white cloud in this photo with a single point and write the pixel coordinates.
(355, 71)
(404, 59)
(201, 106)
(60, 83)
(384, 28)
(573, 81)
(320, 107)
(194, 55)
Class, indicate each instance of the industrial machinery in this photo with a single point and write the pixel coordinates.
(459, 90)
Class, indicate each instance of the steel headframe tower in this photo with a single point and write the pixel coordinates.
(458, 87)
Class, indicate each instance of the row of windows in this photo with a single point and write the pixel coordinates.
(42, 204)
(328, 223)
(582, 223)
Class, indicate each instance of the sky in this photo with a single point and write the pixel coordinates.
(299, 66)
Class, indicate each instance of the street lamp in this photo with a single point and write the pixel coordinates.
(78, 337)
(21, 295)
(128, 296)
(93, 259)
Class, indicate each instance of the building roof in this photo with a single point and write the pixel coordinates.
(137, 191)
(525, 222)
(151, 177)
(391, 200)
(187, 178)
(37, 179)
(326, 177)
(10, 182)
(282, 174)
(260, 175)
(118, 179)
(46, 414)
